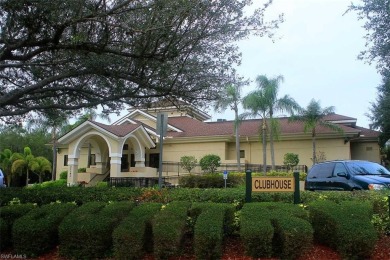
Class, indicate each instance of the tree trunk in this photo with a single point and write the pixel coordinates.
(27, 178)
(264, 138)
(54, 169)
(271, 145)
(236, 126)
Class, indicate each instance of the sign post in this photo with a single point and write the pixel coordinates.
(225, 175)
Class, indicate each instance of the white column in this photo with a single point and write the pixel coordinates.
(73, 164)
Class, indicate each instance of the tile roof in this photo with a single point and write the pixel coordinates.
(118, 130)
(192, 127)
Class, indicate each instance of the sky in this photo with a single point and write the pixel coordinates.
(316, 50)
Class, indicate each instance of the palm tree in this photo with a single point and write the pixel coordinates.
(6, 164)
(312, 117)
(231, 97)
(40, 165)
(22, 162)
(256, 102)
(56, 122)
(275, 105)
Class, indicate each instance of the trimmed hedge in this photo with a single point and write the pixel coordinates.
(210, 228)
(88, 232)
(69, 230)
(134, 236)
(169, 227)
(79, 195)
(346, 227)
(8, 215)
(211, 180)
(275, 229)
(37, 231)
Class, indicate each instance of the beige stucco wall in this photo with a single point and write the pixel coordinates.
(366, 151)
(334, 149)
(174, 151)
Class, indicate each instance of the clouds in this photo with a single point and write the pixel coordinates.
(316, 50)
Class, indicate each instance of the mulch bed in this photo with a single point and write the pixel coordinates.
(234, 250)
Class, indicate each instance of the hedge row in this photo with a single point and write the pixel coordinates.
(210, 180)
(275, 229)
(87, 232)
(213, 223)
(231, 195)
(134, 236)
(169, 227)
(346, 227)
(37, 231)
(8, 215)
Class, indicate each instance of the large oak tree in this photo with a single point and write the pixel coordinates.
(67, 55)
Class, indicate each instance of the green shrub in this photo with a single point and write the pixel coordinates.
(290, 160)
(8, 215)
(82, 170)
(37, 231)
(276, 229)
(212, 222)
(211, 180)
(71, 238)
(5, 234)
(92, 234)
(169, 227)
(135, 230)
(188, 163)
(64, 175)
(345, 227)
(79, 195)
(45, 184)
(210, 163)
(256, 231)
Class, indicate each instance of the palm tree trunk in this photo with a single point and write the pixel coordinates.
(264, 136)
(27, 178)
(271, 145)
(236, 125)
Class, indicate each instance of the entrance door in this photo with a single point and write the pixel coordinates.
(154, 159)
(125, 163)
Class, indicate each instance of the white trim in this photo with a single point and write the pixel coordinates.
(114, 161)
(118, 155)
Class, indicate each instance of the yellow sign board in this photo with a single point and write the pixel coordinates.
(275, 184)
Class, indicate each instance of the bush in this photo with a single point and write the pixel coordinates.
(46, 184)
(346, 227)
(290, 160)
(287, 233)
(210, 163)
(8, 216)
(212, 223)
(135, 230)
(37, 231)
(169, 228)
(188, 163)
(64, 175)
(211, 181)
(92, 230)
(70, 237)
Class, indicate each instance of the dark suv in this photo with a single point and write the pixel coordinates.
(347, 175)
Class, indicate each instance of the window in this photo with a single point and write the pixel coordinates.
(125, 147)
(242, 153)
(65, 160)
(92, 159)
(323, 170)
(339, 168)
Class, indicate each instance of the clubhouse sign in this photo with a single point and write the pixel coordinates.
(272, 184)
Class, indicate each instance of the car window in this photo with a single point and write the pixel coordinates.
(323, 170)
(366, 168)
(339, 168)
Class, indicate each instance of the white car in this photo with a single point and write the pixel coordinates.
(2, 180)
